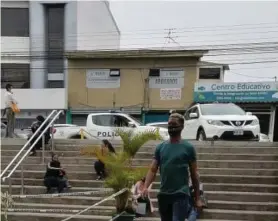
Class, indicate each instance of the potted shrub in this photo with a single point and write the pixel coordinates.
(121, 173)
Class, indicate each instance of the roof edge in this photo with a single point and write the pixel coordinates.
(138, 53)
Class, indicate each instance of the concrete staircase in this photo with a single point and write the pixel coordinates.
(240, 180)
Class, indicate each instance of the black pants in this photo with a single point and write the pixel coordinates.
(173, 208)
(39, 144)
(55, 182)
(99, 168)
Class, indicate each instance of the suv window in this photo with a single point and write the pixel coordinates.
(195, 110)
(191, 110)
(120, 121)
(103, 120)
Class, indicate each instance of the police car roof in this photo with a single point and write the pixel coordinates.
(107, 113)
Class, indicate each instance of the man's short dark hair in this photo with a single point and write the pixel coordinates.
(8, 86)
(179, 117)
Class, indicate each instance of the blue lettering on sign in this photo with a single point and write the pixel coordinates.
(240, 87)
(237, 92)
(107, 134)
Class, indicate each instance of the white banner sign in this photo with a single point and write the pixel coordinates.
(170, 94)
(169, 78)
(100, 78)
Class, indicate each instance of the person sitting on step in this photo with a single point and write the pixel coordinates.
(106, 147)
(55, 176)
(137, 197)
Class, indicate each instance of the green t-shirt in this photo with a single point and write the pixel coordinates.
(173, 161)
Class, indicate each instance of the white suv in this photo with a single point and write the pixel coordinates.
(220, 121)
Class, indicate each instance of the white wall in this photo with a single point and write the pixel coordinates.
(38, 99)
(15, 50)
(96, 27)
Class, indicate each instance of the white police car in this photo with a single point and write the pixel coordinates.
(103, 126)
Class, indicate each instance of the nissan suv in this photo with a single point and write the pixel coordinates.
(225, 121)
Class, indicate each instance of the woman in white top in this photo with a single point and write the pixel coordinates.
(137, 195)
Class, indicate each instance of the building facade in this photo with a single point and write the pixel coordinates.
(35, 35)
(144, 83)
(34, 41)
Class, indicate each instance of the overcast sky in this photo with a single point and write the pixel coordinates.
(200, 23)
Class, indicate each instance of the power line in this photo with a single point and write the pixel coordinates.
(201, 47)
(170, 66)
(186, 29)
(106, 46)
(107, 37)
(250, 75)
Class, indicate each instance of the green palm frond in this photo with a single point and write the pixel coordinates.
(132, 142)
(121, 174)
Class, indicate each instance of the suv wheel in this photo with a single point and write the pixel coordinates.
(201, 136)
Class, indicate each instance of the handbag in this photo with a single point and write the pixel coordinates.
(15, 108)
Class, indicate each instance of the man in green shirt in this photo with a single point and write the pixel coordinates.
(173, 158)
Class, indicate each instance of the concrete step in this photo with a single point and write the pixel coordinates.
(31, 216)
(110, 210)
(145, 162)
(245, 148)
(206, 178)
(148, 155)
(32, 190)
(219, 143)
(87, 172)
(193, 142)
(238, 214)
(226, 205)
(212, 195)
(86, 175)
(14, 216)
(209, 214)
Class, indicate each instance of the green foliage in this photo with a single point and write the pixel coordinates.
(6, 203)
(132, 141)
(121, 173)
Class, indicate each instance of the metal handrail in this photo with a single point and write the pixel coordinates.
(26, 144)
(31, 147)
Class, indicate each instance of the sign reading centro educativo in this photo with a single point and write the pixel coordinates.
(236, 92)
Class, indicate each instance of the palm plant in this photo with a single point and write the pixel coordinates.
(121, 173)
(6, 203)
(133, 141)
